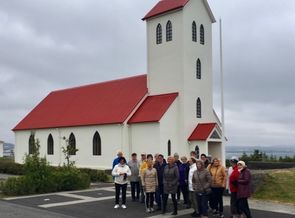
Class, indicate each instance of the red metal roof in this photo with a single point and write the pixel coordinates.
(153, 108)
(164, 6)
(202, 132)
(101, 103)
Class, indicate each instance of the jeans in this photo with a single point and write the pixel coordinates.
(135, 189)
(159, 195)
(202, 200)
(120, 187)
(184, 191)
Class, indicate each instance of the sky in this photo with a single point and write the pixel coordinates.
(52, 44)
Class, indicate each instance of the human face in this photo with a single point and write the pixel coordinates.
(183, 160)
(240, 166)
(143, 157)
(122, 162)
(170, 160)
(160, 159)
(199, 165)
(216, 163)
(134, 157)
(203, 158)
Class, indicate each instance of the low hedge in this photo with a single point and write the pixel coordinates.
(7, 166)
(269, 165)
(61, 179)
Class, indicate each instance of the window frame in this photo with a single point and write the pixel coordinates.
(169, 31)
(96, 144)
(199, 108)
(50, 145)
(194, 32)
(159, 34)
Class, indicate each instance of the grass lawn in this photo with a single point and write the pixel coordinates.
(279, 186)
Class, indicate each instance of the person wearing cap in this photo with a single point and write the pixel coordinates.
(233, 186)
(244, 189)
(120, 172)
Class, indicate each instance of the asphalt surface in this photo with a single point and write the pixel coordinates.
(99, 202)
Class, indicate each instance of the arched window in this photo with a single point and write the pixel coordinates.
(169, 148)
(72, 144)
(169, 31)
(197, 150)
(96, 144)
(159, 34)
(199, 108)
(31, 143)
(194, 31)
(198, 69)
(202, 35)
(50, 145)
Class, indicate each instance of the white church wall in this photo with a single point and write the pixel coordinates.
(164, 64)
(145, 137)
(203, 146)
(111, 138)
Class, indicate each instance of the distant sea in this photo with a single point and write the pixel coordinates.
(278, 151)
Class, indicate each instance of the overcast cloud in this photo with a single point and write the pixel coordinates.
(53, 44)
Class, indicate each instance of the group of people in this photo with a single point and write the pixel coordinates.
(200, 181)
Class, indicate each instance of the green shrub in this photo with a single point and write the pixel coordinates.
(70, 178)
(95, 175)
(9, 167)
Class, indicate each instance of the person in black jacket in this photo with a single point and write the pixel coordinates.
(159, 166)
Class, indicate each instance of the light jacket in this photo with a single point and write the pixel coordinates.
(218, 176)
(202, 181)
(119, 169)
(134, 167)
(150, 180)
(192, 169)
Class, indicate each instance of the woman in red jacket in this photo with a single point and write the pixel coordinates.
(233, 186)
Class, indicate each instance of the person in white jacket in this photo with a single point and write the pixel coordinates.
(120, 172)
(192, 195)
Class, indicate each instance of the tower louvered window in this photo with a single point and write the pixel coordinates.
(169, 31)
(202, 35)
(199, 108)
(194, 31)
(198, 69)
(159, 34)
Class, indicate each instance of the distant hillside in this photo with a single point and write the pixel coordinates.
(8, 149)
(278, 151)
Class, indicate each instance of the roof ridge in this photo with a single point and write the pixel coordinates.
(98, 83)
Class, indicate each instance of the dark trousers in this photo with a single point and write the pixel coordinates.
(142, 197)
(135, 189)
(178, 193)
(120, 187)
(184, 191)
(165, 199)
(149, 200)
(243, 206)
(202, 200)
(217, 200)
(233, 203)
(159, 195)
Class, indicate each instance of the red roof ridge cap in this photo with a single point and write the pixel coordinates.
(172, 93)
(98, 83)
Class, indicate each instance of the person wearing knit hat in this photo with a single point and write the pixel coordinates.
(244, 189)
(233, 185)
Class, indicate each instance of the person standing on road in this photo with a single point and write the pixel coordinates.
(233, 186)
(201, 183)
(160, 166)
(134, 178)
(183, 179)
(116, 160)
(170, 182)
(192, 196)
(142, 167)
(149, 184)
(244, 189)
(218, 185)
(120, 173)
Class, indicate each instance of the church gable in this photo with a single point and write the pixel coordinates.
(101, 103)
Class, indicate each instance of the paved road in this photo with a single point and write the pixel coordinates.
(99, 202)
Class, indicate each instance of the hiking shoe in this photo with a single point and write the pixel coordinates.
(116, 206)
(152, 210)
(148, 210)
(123, 206)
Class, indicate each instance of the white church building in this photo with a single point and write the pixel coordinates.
(167, 110)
